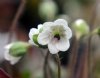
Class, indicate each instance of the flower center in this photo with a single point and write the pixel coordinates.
(57, 32)
(57, 36)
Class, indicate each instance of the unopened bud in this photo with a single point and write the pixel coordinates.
(80, 27)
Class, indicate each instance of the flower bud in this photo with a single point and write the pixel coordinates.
(14, 51)
(80, 27)
(18, 48)
(36, 41)
(48, 12)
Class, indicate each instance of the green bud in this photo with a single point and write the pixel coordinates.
(80, 27)
(19, 48)
(48, 12)
(36, 41)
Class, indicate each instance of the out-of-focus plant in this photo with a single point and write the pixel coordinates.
(97, 69)
(48, 10)
(26, 74)
(96, 31)
(99, 31)
(81, 28)
(14, 51)
(64, 16)
(85, 2)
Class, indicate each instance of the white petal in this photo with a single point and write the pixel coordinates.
(32, 32)
(44, 37)
(63, 44)
(61, 22)
(15, 60)
(52, 47)
(6, 55)
(68, 33)
(10, 58)
(8, 46)
(32, 43)
(47, 25)
(40, 26)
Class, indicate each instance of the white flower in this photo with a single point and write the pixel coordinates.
(56, 35)
(9, 57)
(33, 35)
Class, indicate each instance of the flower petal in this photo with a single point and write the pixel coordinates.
(40, 26)
(63, 44)
(44, 37)
(6, 55)
(61, 22)
(32, 32)
(8, 46)
(68, 33)
(47, 25)
(52, 47)
(10, 58)
(15, 60)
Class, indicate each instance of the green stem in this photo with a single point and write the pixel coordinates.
(59, 67)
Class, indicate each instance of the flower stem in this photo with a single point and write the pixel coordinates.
(90, 54)
(50, 72)
(59, 67)
(45, 65)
